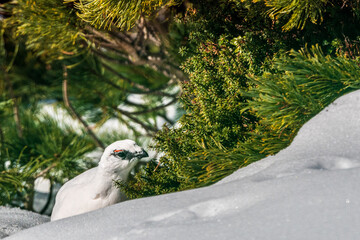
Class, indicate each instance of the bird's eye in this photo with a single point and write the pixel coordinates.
(120, 153)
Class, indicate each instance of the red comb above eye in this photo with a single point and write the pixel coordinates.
(118, 150)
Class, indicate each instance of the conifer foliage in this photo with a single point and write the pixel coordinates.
(51, 53)
(121, 14)
(253, 82)
(298, 12)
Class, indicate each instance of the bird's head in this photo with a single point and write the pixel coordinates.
(120, 154)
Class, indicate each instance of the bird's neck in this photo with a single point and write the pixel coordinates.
(116, 170)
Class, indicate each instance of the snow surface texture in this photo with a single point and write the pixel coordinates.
(13, 220)
(310, 190)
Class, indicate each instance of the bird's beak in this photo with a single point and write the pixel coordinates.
(141, 154)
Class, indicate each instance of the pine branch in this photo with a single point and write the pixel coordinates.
(105, 45)
(116, 43)
(49, 198)
(121, 14)
(152, 109)
(156, 91)
(46, 170)
(75, 114)
(300, 11)
(120, 35)
(115, 60)
(127, 123)
(142, 88)
(167, 119)
(128, 80)
(150, 129)
(122, 44)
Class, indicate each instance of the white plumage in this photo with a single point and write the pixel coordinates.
(94, 188)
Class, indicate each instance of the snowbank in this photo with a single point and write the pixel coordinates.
(13, 220)
(308, 191)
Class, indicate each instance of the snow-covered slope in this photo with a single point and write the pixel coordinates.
(308, 191)
(13, 220)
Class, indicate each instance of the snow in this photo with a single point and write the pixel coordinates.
(309, 190)
(13, 220)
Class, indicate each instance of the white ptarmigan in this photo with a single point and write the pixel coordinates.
(94, 188)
